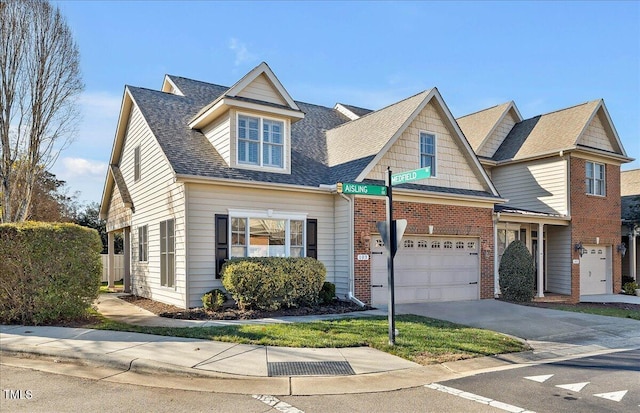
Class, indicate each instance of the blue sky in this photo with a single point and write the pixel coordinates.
(542, 55)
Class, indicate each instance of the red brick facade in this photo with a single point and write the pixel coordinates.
(446, 220)
(595, 217)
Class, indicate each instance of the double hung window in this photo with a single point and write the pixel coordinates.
(267, 237)
(428, 151)
(143, 243)
(260, 141)
(167, 253)
(595, 182)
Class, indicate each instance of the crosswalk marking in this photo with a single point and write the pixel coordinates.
(540, 379)
(276, 403)
(615, 396)
(573, 386)
(477, 398)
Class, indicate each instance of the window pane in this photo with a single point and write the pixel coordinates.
(171, 270)
(589, 169)
(253, 152)
(267, 238)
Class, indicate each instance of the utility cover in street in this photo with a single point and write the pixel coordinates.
(351, 188)
(410, 176)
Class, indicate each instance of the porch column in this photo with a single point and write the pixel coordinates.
(127, 260)
(540, 260)
(111, 270)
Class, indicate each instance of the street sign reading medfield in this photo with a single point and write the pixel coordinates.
(410, 176)
(350, 188)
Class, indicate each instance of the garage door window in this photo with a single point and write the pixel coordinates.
(408, 243)
(435, 244)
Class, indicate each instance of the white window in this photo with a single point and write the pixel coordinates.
(595, 178)
(143, 244)
(257, 236)
(260, 141)
(428, 151)
(168, 253)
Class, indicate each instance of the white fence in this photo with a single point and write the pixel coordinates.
(118, 263)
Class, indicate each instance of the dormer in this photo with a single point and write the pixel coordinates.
(250, 124)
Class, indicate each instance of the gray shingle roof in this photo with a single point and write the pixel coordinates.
(190, 153)
(357, 110)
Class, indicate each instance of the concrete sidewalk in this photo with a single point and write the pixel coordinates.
(204, 365)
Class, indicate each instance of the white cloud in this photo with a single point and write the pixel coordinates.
(242, 53)
(83, 167)
(82, 175)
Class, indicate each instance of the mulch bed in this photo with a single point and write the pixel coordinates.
(231, 312)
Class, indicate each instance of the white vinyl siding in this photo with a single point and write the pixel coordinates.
(454, 170)
(157, 198)
(343, 230)
(536, 186)
(218, 133)
(595, 178)
(207, 200)
(558, 257)
(261, 89)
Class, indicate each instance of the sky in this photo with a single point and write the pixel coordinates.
(543, 55)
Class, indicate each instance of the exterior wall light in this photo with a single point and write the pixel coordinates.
(578, 247)
(622, 249)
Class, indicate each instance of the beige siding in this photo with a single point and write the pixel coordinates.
(262, 89)
(497, 136)
(595, 135)
(119, 215)
(205, 201)
(452, 167)
(558, 253)
(538, 186)
(343, 229)
(219, 134)
(156, 198)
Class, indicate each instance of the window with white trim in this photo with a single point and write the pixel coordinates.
(143, 244)
(267, 237)
(595, 178)
(260, 141)
(168, 253)
(428, 151)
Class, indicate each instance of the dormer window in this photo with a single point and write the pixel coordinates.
(260, 141)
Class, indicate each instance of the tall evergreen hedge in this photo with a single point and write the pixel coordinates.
(48, 272)
(517, 273)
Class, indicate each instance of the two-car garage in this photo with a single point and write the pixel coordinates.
(427, 268)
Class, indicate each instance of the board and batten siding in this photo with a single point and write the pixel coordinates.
(206, 200)
(453, 168)
(261, 89)
(343, 230)
(156, 198)
(219, 134)
(536, 186)
(558, 254)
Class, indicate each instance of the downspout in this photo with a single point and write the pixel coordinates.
(350, 294)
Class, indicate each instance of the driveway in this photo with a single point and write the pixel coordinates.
(533, 323)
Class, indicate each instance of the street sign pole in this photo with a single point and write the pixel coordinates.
(392, 252)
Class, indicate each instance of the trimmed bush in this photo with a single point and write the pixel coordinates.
(327, 293)
(630, 288)
(517, 273)
(214, 300)
(274, 282)
(49, 272)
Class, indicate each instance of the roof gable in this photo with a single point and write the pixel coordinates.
(480, 127)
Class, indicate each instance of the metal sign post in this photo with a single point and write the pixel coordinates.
(392, 252)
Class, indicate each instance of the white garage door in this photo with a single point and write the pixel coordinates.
(594, 270)
(427, 269)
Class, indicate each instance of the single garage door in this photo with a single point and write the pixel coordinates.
(427, 269)
(594, 270)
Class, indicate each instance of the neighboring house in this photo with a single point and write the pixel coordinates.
(200, 173)
(630, 192)
(561, 175)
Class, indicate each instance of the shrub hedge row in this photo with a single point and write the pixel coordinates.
(48, 272)
(517, 273)
(272, 283)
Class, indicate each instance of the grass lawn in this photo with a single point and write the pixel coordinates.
(105, 289)
(422, 340)
(588, 308)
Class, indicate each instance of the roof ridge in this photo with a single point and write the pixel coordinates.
(483, 110)
(196, 80)
(563, 109)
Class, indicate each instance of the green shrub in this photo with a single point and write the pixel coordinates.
(48, 272)
(327, 293)
(214, 300)
(274, 282)
(517, 273)
(630, 288)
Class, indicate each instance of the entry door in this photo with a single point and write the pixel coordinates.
(593, 270)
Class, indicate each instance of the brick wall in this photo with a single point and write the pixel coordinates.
(446, 219)
(595, 216)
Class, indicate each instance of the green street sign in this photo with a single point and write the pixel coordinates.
(352, 188)
(410, 176)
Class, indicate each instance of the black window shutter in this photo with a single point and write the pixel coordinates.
(312, 238)
(222, 242)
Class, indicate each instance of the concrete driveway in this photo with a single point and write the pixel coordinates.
(533, 323)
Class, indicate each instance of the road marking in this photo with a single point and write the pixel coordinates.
(540, 379)
(477, 398)
(276, 403)
(573, 386)
(615, 396)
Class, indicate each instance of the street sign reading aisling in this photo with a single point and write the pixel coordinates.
(410, 176)
(350, 188)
